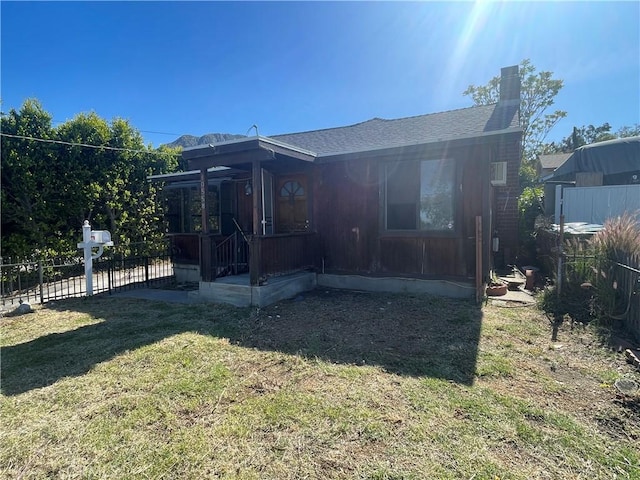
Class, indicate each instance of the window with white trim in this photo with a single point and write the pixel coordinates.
(498, 173)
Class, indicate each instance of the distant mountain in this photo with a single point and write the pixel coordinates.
(190, 141)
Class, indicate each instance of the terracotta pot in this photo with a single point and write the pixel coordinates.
(496, 290)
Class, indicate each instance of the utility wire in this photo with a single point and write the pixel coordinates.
(142, 131)
(86, 145)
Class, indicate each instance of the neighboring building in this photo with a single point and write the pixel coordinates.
(383, 204)
(547, 164)
(614, 162)
(605, 178)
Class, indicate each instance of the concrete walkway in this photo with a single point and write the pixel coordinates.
(515, 296)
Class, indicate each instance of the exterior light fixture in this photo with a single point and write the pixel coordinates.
(248, 190)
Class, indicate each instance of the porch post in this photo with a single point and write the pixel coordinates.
(488, 220)
(206, 257)
(204, 185)
(256, 180)
(256, 260)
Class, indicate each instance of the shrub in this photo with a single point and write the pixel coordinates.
(617, 242)
(619, 239)
(530, 206)
(590, 272)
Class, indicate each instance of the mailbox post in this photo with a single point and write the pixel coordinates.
(91, 239)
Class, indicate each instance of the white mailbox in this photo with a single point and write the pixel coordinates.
(92, 239)
(102, 237)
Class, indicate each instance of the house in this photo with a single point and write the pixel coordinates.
(547, 164)
(604, 179)
(404, 204)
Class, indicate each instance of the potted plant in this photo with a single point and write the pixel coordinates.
(496, 287)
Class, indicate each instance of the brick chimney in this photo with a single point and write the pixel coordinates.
(510, 84)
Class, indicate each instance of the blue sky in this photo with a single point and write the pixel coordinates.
(203, 67)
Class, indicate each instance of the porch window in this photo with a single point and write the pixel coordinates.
(419, 196)
(184, 211)
(291, 190)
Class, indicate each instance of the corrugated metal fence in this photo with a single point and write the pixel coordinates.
(54, 279)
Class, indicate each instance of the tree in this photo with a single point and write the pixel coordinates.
(538, 91)
(629, 131)
(28, 181)
(579, 137)
(587, 135)
(52, 181)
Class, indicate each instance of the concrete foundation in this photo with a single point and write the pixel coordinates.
(236, 290)
(186, 273)
(442, 288)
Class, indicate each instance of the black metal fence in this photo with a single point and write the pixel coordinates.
(125, 268)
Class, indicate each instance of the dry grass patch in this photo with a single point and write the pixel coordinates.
(335, 385)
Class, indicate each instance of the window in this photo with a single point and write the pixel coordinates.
(420, 195)
(292, 189)
(184, 209)
(498, 173)
(291, 204)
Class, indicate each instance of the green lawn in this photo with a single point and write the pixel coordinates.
(332, 385)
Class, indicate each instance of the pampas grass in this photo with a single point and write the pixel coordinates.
(620, 238)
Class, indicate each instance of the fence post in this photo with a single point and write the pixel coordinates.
(109, 265)
(10, 277)
(479, 272)
(146, 271)
(20, 283)
(235, 253)
(41, 280)
(560, 253)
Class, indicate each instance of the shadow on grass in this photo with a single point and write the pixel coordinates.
(404, 334)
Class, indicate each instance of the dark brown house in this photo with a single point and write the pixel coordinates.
(402, 204)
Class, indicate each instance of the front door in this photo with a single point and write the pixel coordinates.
(291, 201)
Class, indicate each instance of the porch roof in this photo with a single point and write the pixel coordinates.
(241, 153)
(168, 177)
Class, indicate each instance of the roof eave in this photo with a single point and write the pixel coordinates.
(246, 144)
(180, 175)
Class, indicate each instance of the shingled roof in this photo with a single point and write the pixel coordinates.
(379, 133)
(553, 160)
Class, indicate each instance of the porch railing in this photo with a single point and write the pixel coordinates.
(231, 255)
(261, 256)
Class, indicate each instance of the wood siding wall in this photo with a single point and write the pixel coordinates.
(284, 253)
(346, 215)
(505, 201)
(348, 219)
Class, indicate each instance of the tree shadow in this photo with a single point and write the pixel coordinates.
(414, 335)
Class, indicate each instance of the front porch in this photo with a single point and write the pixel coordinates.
(243, 218)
